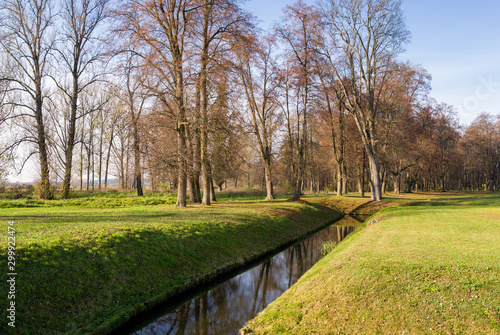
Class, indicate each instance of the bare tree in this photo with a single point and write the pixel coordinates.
(160, 28)
(367, 35)
(26, 37)
(135, 100)
(260, 83)
(218, 19)
(297, 32)
(77, 52)
(334, 115)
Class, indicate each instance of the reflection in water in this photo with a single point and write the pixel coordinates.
(225, 308)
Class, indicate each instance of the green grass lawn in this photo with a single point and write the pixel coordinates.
(85, 265)
(430, 265)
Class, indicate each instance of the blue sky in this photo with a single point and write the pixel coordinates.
(458, 42)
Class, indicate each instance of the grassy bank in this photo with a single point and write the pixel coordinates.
(429, 266)
(90, 266)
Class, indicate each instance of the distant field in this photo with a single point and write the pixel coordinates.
(430, 265)
(86, 264)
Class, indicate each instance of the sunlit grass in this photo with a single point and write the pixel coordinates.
(430, 265)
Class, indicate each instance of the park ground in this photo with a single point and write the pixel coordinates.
(430, 265)
(88, 264)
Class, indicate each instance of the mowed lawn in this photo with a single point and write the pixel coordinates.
(431, 266)
(86, 265)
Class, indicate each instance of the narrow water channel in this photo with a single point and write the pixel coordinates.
(226, 308)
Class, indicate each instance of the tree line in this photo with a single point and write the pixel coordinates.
(190, 94)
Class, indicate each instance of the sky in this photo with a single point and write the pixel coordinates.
(457, 42)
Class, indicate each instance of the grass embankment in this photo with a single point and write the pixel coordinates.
(85, 265)
(432, 266)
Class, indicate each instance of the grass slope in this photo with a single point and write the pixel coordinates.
(432, 266)
(84, 269)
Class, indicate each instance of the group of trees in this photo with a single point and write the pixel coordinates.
(189, 94)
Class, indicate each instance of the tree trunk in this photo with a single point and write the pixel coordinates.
(88, 163)
(203, 82)
(361, 186)
(45, 191)
(192, 173)
(81, 165)
(207, 177)
(212, 190)
(269, 181)
(101, 153)
(383, 181)
(122, 164)
(181, 160)
(375, 178)
(182, 185)
(397, 183)
(344, 178)
(339, 180)
(93, 167)
(300, 168)
(181, 130)
(197, 161)
(137, 157)
(71, 141)
(193, 195)
(108, 155)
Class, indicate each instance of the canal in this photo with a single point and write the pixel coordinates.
(225, 308)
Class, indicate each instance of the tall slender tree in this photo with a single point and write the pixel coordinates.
(27, 39)
(297, 32)
(258, 75)
(134, 97)
(78, 51)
